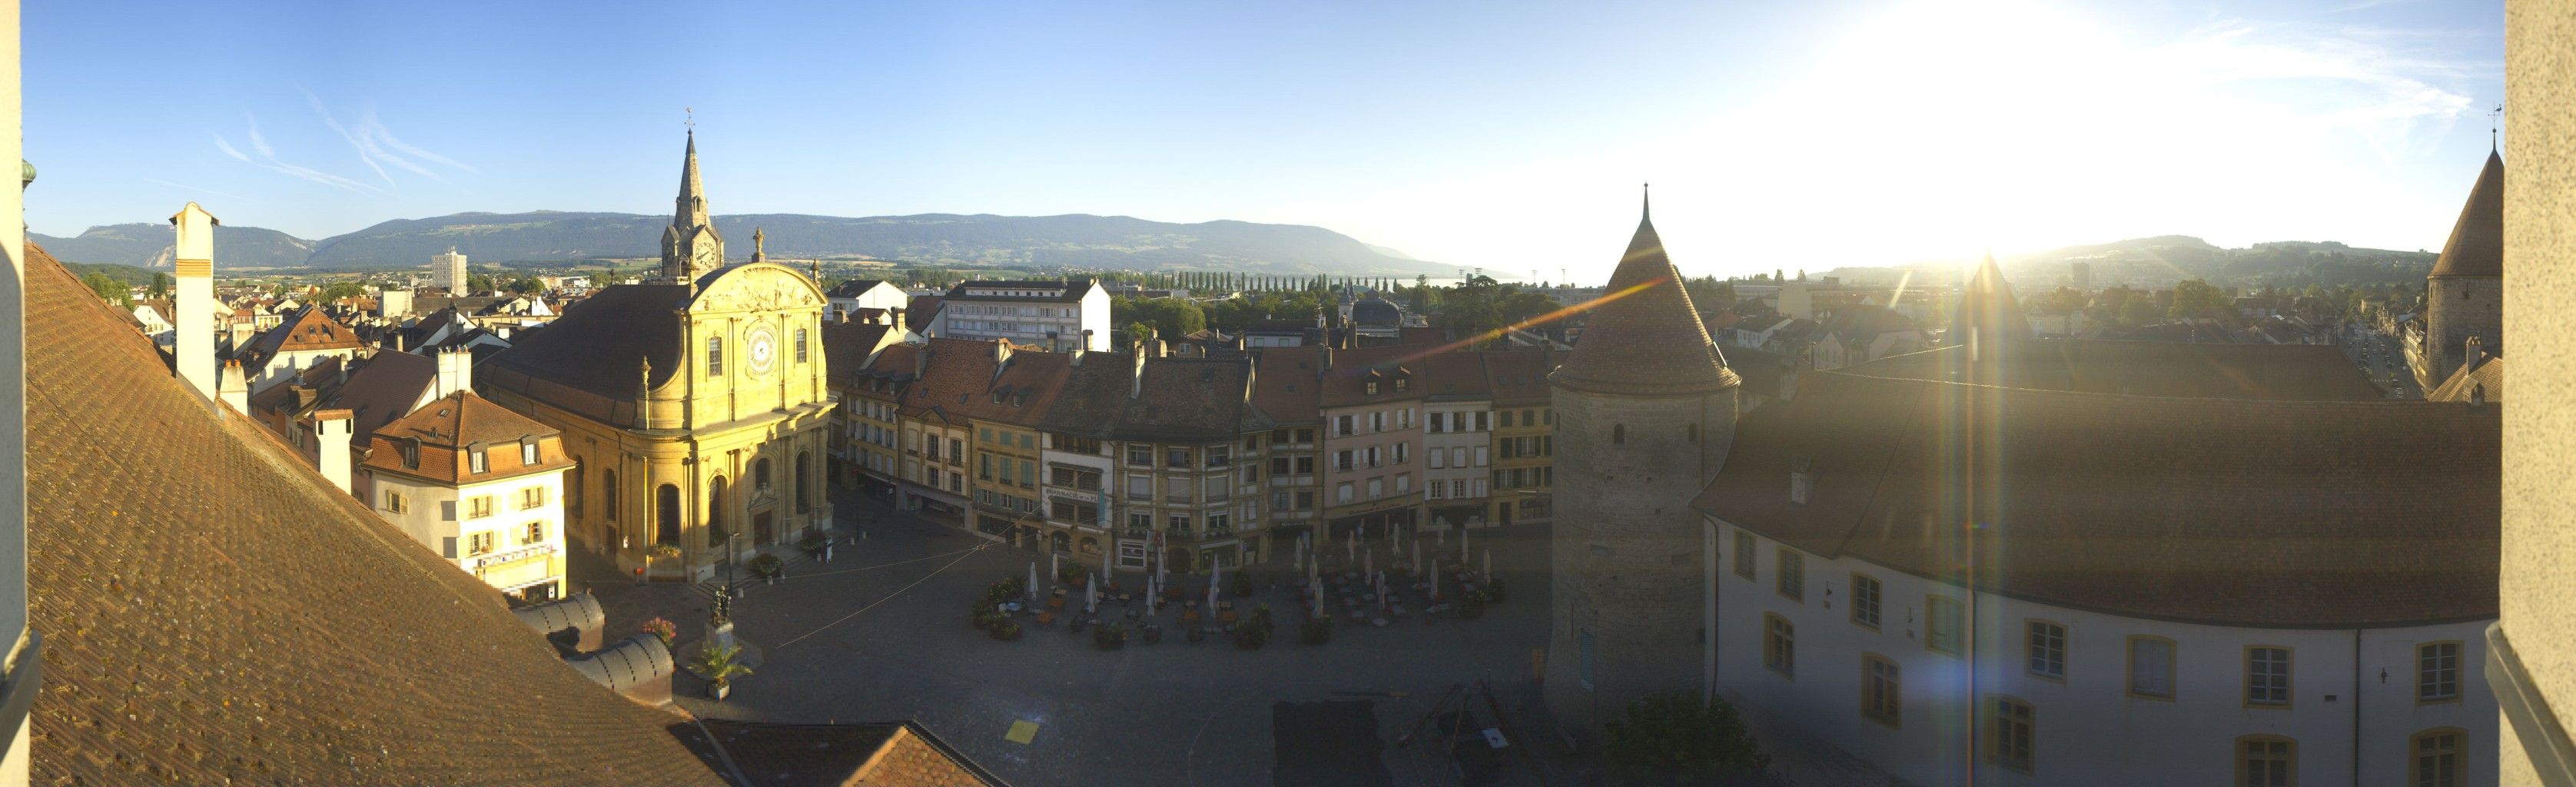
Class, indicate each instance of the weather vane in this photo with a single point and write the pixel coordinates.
(2495, 124)
(692, 113)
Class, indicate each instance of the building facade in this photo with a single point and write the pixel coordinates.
(448, 271)
(1051, 315)
(1458, 440)
(479, 485)
(2464, 296)
(1371, 406)
(1524, 437)
(697, 406)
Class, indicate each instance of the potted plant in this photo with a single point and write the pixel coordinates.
(1254, 631)
(662, 630)
(813, 543)
(1007, 630)
(1241, 587)
(1072, 574)
(1315, 631)
(719, 667)
(1109, 636)
(985, 615)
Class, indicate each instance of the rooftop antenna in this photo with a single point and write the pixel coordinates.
(2495, 124)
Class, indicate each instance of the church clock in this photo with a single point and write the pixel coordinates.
(763, 345)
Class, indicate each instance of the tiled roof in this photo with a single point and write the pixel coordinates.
(1290, 389)
(590, 360)
(382, 388)
(2279, 372)
(890, 754)
(183, 601)
(448, 427)
(2481, 379)
(1519, 377)
(2476, 247)
(1457, 374)
(847, 345)
(1192, 400)
(308, 329)
(1645, 338)
(922, 309)
(1375, 313)
(2217, 511)
(1346, 382)
(853, 288)
(1070, 292)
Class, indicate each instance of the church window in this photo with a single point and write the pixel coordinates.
(715, 355)
(608, 486)
(760, 474)
(800, 345)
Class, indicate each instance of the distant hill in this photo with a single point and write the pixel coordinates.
(147, 245)
(2166, 258)
(1028, 242)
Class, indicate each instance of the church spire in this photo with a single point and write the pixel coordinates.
(691, 210)
(690, 246)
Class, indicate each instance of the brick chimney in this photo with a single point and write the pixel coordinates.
(455, 371)
(331, 430)
(1136, 373)
(193, 305)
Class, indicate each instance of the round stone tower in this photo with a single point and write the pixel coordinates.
(1645, 410)
(2464, 297)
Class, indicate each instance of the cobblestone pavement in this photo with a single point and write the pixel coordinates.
(881, 632)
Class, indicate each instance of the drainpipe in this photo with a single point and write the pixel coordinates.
(2355, 708)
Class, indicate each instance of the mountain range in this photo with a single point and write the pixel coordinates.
(2164, 259)
(932, 239)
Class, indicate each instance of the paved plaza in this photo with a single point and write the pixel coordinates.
(882, 632)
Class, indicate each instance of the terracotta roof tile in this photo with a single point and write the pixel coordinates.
(2281, 372)
(182, 600)
(590, 360)
(1290, 389)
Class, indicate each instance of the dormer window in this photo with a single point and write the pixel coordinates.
(1802, 478)
(1402, 383)
(479, 461)
(1372, 387)
(528, 453)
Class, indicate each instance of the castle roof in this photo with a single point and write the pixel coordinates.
(190, 647)
(2231, 512)
(1645, 337)
(1986, 303)
(2476, 247)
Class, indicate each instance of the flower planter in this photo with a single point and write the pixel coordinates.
(719, 690)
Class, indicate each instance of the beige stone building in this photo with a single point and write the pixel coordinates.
(696, 404)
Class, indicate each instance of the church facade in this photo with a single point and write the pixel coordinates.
(696, 404)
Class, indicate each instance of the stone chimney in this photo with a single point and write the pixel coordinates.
(331, 439)
(1075, 355)
(193, 305)
(920, 363)
(455, 371)
(896, 318)
(1136, 373)
(2472, 352)
(232, 388)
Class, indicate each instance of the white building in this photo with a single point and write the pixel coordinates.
(1457, 440)
(856, 294)
(478, 485)
(2090, 588)
(448, 270)
(1053, 315)
(304, 338)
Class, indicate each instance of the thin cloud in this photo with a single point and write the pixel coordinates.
(268, 159)
(369, 137)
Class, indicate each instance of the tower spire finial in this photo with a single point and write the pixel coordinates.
(2495, 127)
(1649, 190)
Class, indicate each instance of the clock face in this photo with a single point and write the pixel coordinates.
(764, 350)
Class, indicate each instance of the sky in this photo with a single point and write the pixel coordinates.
(1511, 137)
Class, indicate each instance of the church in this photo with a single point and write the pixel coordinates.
(695, 403)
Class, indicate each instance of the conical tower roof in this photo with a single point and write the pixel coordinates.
(1646, 338)
(2477, 241)
(692, 208)
(1987, 303)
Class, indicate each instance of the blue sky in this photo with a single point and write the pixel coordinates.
(1507, 136)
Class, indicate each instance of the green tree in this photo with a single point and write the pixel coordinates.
(2198, 298)
(161, 283)
(477, 282)
(526, 284)
(339, 290)
(2138, 311)
(109, 289)
(1674, 736)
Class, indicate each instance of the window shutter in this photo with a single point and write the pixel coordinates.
(448, 546)
(447, 511)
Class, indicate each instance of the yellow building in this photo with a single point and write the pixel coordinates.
(1524, 438)
(696, 404)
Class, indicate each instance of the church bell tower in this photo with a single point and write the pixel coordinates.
(690, 246)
